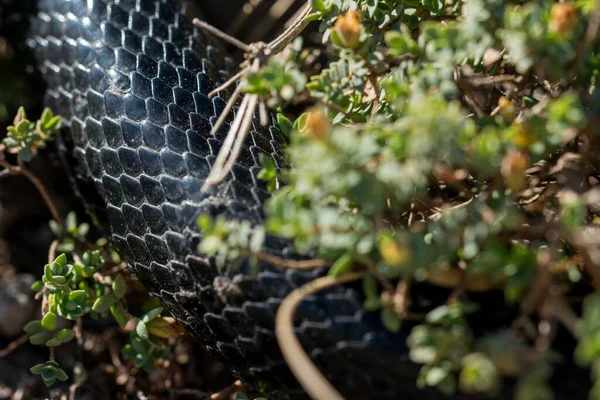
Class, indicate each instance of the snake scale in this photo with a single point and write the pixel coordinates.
(131, 79)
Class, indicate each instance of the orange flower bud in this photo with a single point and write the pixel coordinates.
(563, 17)
(317, 125)
(348, 29)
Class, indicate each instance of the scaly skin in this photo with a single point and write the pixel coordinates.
(131, 80)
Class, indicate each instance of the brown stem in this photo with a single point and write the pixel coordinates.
(228, 391)
(21, 340)
(43, 192)
(52, 251)
(558, 307)
(290, 264)
(78, 329)
(401, 297)
(309, 376)
(492, 80)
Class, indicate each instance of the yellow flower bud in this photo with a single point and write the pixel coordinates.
(513, 168)
(506, 109)
(393, 253)
(348, 29)
(523, 136)
(563, 17)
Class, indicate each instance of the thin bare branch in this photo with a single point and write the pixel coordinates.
(21, 340)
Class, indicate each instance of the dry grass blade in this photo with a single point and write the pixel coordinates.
(227, 110)
(222, 35)
(309, 376)
(229, 82)
(292, 31)
(240, 137)
(233, 144)
(257, 55)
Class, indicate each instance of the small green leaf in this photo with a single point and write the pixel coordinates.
(61, 375)
(46, 116)
(33, 327)
(66, 246)
(23, 127)
(150, 315)
(391, 320)
(53, 342)
(342, 265)
(53, 124)
(141, 330)
(37, 369)
(103, 303)
(49, 321)
(83, 230)
(119, 315)
(370, 286)
(285, 125)
(49, 382)
(37, 286)
(65, 335)
(48, 271)
(119, 287)
(61, 260)
(39, 339)
(372, 303)
(71, 222)
(77, 295)
(205, 223)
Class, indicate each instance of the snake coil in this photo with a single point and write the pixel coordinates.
(131, 79)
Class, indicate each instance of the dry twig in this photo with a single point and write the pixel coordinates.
(257, 54)
(309, 376)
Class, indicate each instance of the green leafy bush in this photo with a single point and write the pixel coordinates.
(451, 142)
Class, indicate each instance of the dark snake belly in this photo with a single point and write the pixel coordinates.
(131, 78)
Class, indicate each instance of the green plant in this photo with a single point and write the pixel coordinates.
(76, 284)
(80, 282)
(450, 142)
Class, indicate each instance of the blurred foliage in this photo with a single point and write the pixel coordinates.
(450, 142)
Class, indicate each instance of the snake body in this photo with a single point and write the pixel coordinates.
(131, 79)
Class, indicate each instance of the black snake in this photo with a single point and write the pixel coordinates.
(131, 79)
